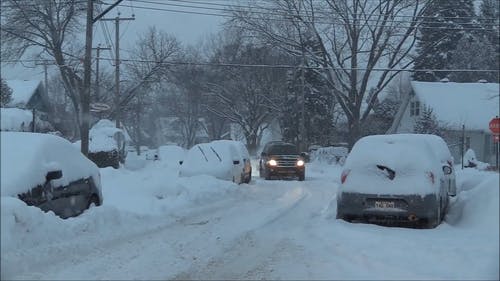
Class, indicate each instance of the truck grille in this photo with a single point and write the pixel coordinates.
(286, 160)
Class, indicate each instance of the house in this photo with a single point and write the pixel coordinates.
(28, 94)
(454, 107)
(28, 97)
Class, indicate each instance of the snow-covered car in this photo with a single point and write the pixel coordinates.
(244, 157)
(107, 144)
(220, 159)
(403, 178)
(48, 172)
(281, 159)
(172, 155)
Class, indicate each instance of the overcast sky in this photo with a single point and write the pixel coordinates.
(188, 28)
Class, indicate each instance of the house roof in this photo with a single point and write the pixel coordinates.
(22, 91)
(457, 104)
(13, 119)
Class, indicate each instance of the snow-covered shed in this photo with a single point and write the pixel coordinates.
(452, 106)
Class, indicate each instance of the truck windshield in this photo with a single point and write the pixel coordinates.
(281, 149)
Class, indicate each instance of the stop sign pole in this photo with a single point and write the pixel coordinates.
(495, 129)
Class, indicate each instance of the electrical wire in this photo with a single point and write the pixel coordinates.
(305, 21)
(277, 66)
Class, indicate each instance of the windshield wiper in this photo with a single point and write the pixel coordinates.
(390, 172)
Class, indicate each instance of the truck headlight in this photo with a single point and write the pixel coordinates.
(272, 162)
(300, 163)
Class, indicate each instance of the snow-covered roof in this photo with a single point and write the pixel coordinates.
(457, 104)
(15, 119)
(22, 91)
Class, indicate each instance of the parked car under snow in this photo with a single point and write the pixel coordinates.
(48, 172)
(405, 178)
(222, 159)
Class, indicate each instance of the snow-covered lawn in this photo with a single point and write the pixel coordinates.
(154, 225)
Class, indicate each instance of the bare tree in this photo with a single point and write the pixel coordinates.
(247, 96)
(358, 46)
(154, 50)
(48, 27)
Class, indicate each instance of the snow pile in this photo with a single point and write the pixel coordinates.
(15, 119)
(27, 157)
(471, 161)
(157, 189)
(104, 136)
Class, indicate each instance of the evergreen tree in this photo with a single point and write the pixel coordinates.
(5, 93)
(443, 24)
(427, 123)
(489, 18)
(474, 52)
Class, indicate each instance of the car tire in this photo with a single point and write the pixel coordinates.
(267, 175)
(302, 177)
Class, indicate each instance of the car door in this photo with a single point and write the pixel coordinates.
(72, 199)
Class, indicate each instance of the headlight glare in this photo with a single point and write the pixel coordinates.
(272, 162)
(300, 163)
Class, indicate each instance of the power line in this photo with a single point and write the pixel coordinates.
(250, 7)
(278, 66)
(284, 13)
(286, 20)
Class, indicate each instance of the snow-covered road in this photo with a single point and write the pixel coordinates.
(155, 226)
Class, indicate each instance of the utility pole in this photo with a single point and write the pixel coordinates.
(85, 91)
(97, 89)
(45, 64)
(117, 65)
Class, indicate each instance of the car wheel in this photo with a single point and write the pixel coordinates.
(267, 175)
(302, 177)
(248, 177)
(93, 200)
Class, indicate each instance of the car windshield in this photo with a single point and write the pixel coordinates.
(281, 149)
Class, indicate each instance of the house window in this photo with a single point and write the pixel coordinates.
(415, 108)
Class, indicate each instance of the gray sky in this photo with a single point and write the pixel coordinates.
(188, 28)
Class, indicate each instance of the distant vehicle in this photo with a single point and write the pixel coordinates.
(331, 154)
(221, 159)
(107, 145)
(405, 178)
(281, 159)
(171, 154)
(48, 172)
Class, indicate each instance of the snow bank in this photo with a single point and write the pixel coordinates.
(104, 136)
(157, 189)
(27, 157)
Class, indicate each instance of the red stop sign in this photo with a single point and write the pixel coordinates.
(495, 125)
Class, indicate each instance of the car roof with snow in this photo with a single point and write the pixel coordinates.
(27, 157)
(237, 144)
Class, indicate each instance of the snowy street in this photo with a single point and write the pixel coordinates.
(154, 225)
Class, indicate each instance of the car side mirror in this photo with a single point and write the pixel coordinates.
(236, 162)
(53, 175)
(180, 162)
(447, 170)
(263, 154)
